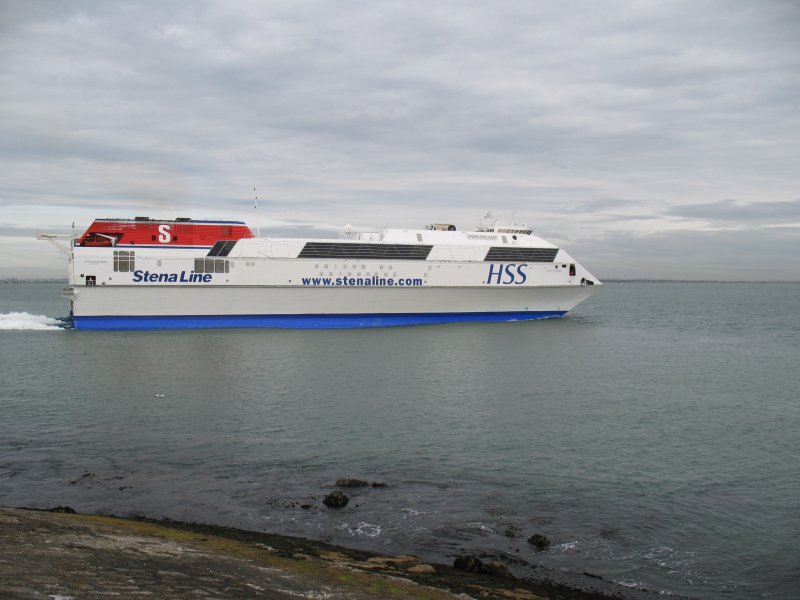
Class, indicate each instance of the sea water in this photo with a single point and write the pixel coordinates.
(653, 434)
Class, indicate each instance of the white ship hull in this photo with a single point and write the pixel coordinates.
(233, 306)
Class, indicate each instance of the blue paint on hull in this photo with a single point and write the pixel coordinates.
(355, 321)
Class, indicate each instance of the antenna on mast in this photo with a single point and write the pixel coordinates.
(255, 208)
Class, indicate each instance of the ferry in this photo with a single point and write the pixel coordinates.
(143, 273)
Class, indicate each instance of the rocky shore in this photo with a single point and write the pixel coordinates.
(62, 555)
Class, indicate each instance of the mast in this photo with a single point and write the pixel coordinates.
(255, 208)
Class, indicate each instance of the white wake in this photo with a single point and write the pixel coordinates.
(23, 320)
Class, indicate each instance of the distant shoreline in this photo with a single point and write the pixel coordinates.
(694, 281)
(43, 280)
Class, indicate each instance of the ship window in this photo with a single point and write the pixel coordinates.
(212, 265)
(124, 261)
(222, 248)
(501, 254)
(358, 251)
(91, 280)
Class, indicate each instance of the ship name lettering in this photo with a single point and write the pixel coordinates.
(182, 277)
(500, 274)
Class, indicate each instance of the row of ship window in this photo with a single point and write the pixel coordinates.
(125, 262)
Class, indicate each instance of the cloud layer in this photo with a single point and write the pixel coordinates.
(624, 130)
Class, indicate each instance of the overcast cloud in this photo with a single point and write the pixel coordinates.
(652, 139)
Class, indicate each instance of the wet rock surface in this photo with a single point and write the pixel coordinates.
(539, 541)
(336, 500)
(47, 554)
(358, 483)
(351, 483)
(473, 564)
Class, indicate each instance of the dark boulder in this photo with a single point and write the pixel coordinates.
(539, 541)
(351, 483)
(471, 564)
(496, 569)
(63, 509)
(378, 484)
(335, 500)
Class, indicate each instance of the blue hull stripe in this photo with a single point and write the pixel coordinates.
(354, 321)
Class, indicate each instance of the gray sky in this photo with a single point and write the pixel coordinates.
(651, 139)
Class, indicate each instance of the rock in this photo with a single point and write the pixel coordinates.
(540, 541)
(305, 506)
(496, 569)
(471, 564)
(351, 483)
(300, 556)
(63, 509)
(333, 556)
(378, 484)
(364, 565)
(336, 500)
(400, 562)
(427, 569)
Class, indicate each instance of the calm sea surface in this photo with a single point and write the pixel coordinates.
(654, 434)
